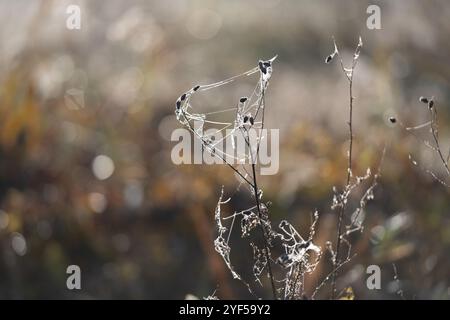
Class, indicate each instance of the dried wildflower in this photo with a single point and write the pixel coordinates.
(262, 67)
(423, 99)
(340, 199)
(265, 68)
(329, 58)
(435, 145)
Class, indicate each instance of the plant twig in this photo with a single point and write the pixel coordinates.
(263, 231)
(348, 72)
(433, 126)
(435, 134)
(258, 203)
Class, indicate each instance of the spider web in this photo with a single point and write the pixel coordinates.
(244, 119)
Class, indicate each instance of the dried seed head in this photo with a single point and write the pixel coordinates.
(392, 120)
(245, 119)
(262, 66)
(252, 121)
(243, 99)
(423, 99)
(430, 104)
(196, 88)
(178, 104)
(183, 96)
(329, 58)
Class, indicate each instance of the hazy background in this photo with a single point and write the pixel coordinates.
(92, 183)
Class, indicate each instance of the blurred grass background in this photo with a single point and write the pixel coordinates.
(92, 183)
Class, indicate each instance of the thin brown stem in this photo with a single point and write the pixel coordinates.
(434, 132)
(349, 75)
(263, 231)
(258, 203)
(342, 208)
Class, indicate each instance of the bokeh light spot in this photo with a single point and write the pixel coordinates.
(19, 244)
(102, 167)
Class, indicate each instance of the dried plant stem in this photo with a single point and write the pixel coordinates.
(316, 290)
(258, 204)
(434, 132)
(257, 200)
(349, 75)
(350, 125)
(263, 232)
(342, 208)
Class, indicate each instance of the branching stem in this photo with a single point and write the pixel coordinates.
(349, 74)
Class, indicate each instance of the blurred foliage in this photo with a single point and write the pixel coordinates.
(143, 227)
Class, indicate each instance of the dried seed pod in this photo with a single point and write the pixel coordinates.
(243, 99)
(245, 119)
(423, 99)
(178, 104)
(262, 67)
(329, 58)
(196, 88)
(252, 121)
(183, 96)
(430, 104)
(392, 120)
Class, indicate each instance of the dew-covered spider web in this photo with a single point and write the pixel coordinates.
(226, 126)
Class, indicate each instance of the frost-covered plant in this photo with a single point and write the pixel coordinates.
(348, 223)
(300, 256)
